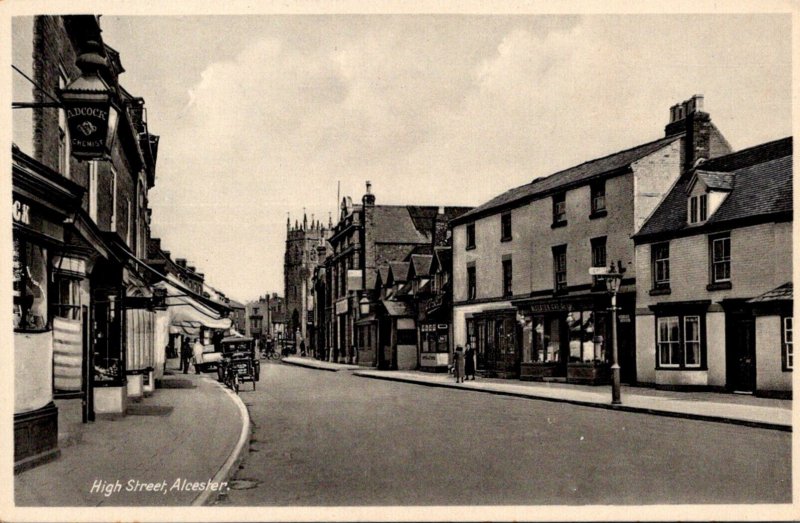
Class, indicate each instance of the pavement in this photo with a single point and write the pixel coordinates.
(182, 443)
(737, 409)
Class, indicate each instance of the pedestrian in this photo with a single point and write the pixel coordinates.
(469, 363)
(458, 364)
(303, 347)
(197, 351)
(186, 354)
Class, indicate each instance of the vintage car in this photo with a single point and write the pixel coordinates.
(239, 362)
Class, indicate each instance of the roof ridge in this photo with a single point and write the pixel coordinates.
(666, 139)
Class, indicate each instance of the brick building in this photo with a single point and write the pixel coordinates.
(523, 296)
(714, 299)
(81, 230)
(366, 239)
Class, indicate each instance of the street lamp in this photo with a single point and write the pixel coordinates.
(613, 278)
(363, 306)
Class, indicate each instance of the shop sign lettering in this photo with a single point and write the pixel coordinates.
(88, 129)
(20, 212)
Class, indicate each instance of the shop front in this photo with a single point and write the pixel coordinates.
(435, 326)
(41, 202)
(569, 338)
(493, 334)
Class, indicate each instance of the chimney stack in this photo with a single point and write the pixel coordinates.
(702, 140)
(369, 198)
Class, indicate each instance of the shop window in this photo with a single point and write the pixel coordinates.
(560, 268)
(788, 344)
(720, 260)
(505, 227)
(679, 342)
(29, 286)
(472, 283)
(471, 236)
(434, 338)
(587, 340)
(598, 197)
(108, 365)
(507, 278)
(66, 298)
(659, 254)
(471, 338)
(559, 209)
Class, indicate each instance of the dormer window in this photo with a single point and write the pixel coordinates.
(698, 208)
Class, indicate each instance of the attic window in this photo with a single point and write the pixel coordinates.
(698, 208)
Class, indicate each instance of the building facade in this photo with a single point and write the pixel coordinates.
(714, 300)
(81, 230)
(360, 326)
(523, 296)
(300, 258)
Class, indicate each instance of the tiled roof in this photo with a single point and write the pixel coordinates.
(393, 224)
(716, 180)
(444, 256)
(383, 273)
(782, 293)
(568, 177)
(399, 270)
(409, 223)
(421, 264)
(762, 188)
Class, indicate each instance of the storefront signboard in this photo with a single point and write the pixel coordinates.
(341, 306)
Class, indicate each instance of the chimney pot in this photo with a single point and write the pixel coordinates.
(369, 187)
(698, 102)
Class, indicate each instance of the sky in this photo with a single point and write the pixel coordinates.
(260, 116)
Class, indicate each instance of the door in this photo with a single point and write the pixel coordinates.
(743, 355)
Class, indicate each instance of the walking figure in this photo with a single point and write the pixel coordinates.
(186, 354)
(197, 351)
(469, 357)
(458, 364)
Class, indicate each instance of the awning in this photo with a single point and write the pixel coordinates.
(187, 315)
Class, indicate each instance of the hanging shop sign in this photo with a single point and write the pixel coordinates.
(91, 116)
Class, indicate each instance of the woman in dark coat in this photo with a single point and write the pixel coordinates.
(469, 363)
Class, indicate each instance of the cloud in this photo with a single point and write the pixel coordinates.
(437, 110)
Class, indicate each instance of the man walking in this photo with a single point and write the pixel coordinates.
(186, 354)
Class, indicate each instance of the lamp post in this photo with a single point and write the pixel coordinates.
(613, 278)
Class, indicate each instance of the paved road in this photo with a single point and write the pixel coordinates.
(330, 438)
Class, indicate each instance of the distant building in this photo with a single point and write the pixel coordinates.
(300, 259)
(368, 238)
